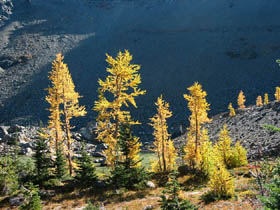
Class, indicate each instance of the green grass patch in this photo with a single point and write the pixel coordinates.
(146, 159)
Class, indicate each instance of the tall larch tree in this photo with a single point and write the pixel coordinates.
(164, 149)
(266, 100)
(277, 94)
(231, 110)
(223, 146)
(116, 92)
(241, 100)
(198, 106)
(71, 108)
(64, 100)
(54, 98)
(259, 101)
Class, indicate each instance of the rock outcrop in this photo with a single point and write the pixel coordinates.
(248, 128)
(25, 137)
(6, 7)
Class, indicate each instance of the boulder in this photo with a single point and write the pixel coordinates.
(98, 154)
(150, 184)
(88, 132)
(3, 131)
(2, 71)
(15, 128)
(16, 201)
(100, 184)
(102, 161)
(149, 207)
(29, 152)
(101, 147)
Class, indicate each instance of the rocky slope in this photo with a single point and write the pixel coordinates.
(248, 127)
(232, 43)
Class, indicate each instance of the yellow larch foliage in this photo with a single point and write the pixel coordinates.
(71, 108)
(223, 146)
(238, 156)
(122, 86)
(54, 98)
(230, 156)
(134, 151)
(191, 157)
(241, 100)
(164, 148)
(221, 182)
(231, 110)
(277, 94)
(207, 162)
(198, 106)
(259, 101)
(266, 100)
(62, 93)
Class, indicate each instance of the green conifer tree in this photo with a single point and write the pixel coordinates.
(60, 163)
(32, 197)
(128, 173)
(85, 172)
(9, 178)
(173, 200)
(42, 160)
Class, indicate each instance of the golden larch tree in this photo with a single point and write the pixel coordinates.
(71, 108)
(54, 98)
(164, 149)
(241, 100)
(223, 146)
(117, 91)
(266, 100)
(277, 94)
(231, 110)
(207, 161)
(62, 93)
(239, 156)
(198, 106)
(259, 101)
(221, 182)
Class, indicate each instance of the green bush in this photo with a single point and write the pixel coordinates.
(85, 173)
(51, 183)
(127, 173)
(172, 200)
(60, 164)
(43, 160)
(25, 167)
(272, 201)
(90, 206)
(9, 179)
(32, 198)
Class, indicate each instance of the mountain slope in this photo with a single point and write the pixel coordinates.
(226, 45)
(248, 128)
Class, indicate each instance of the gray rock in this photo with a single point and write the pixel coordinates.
(77, 136)
(16, 201)
(3, 131)
(98, 154)
(101, 147)
(29, 152)
(100, 184)
(88, 132)
(15, 128)
(150, 184)
(102, 160)
(149, 207)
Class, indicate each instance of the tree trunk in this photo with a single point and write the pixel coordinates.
(68, 135)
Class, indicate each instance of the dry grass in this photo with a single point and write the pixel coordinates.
(71, 198)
